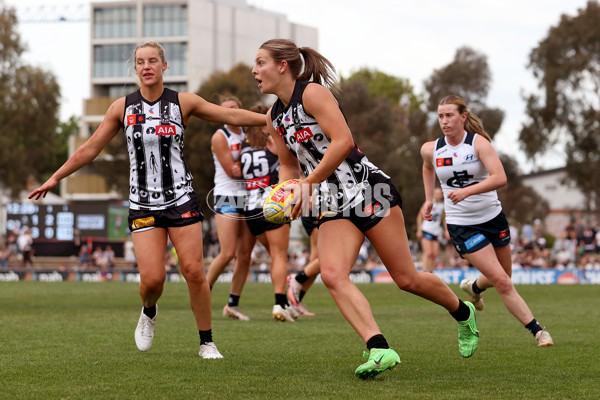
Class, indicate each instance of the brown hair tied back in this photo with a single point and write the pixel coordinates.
(472, 124)
(254, 134)
(315, 67)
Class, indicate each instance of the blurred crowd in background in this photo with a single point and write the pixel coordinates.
(578, 247)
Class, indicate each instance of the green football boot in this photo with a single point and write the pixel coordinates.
(378, 360)
(468, 335)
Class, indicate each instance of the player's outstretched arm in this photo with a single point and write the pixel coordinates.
(192, 104)
(88, 151)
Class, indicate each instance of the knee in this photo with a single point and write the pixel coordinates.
(193, 272)
(406, 284)
(504, 285)
(227, 254)
(154, 282)
(331, 277)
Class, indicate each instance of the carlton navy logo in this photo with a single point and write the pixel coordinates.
(136, 119)
(303, 134)
(165, 130)
(460, 180)
(442, 162)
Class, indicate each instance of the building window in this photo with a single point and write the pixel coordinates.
(116, 91)
(114, 60)
(160, 21)
(110, 60)
(176, 55)
(178, 87)
(115, 22)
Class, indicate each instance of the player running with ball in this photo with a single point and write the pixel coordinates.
(311, 134)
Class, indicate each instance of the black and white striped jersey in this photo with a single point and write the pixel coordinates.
(158, 176)
(260, 170)
(354, 178)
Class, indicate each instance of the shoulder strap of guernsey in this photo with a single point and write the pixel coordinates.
(439, 143)
(469, 138)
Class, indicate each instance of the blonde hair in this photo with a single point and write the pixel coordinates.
(148, 43)
(254, 134)
(472, 124)
(317, 68)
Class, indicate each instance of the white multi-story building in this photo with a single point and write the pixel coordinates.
(199, 37)
(565, 199)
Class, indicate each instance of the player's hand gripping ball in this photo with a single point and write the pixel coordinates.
(274, 208)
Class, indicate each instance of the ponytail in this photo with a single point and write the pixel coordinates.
(315, 68)
(318, 69)
(474, 124)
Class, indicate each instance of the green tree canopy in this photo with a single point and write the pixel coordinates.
(387, 123)
(567, 111)
(238, 82)
(469, 77)
(29, 102)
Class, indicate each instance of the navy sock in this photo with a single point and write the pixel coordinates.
(301, 277)
(150, 312)
(462, 313)
(281, 299)
(205, 336)
(534, 327)
(234, 300)
(476, 288)
(377, 342)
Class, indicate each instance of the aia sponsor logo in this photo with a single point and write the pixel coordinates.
(281, 131)
(236, 147)
(257, 183)
(164, 130)
(442, 162)
(189, 214)
(504, 234)
(136, 119)
(303, 134)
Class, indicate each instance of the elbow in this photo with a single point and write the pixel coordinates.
(349, 145)
(502, 182)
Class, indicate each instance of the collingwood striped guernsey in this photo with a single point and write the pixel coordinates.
(158, 176)
(351, 182)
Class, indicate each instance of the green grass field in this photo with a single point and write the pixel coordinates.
(74, 340)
